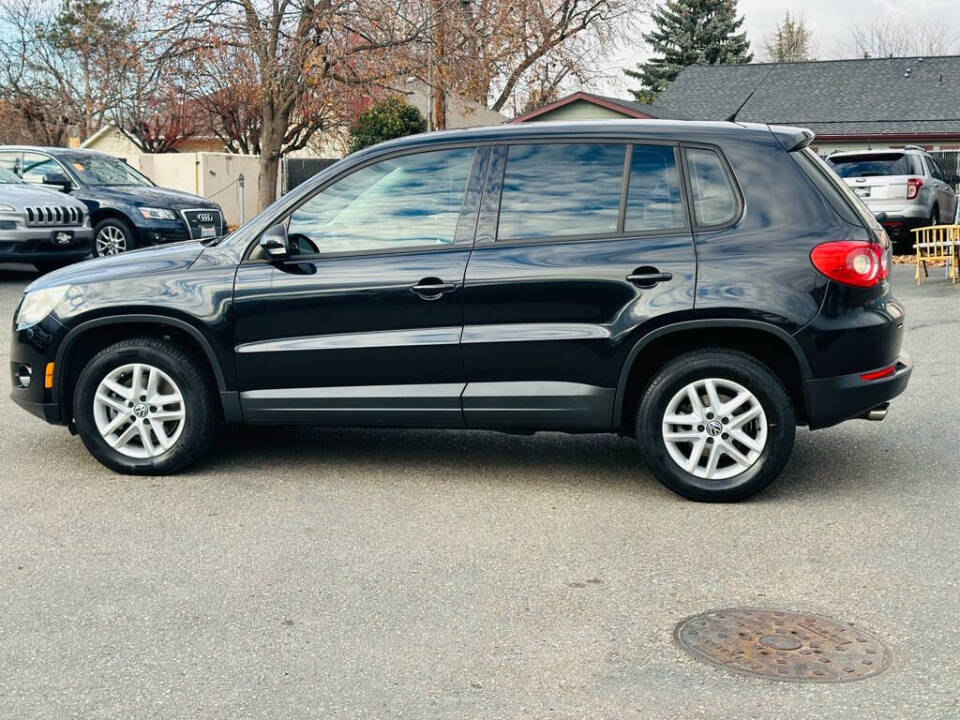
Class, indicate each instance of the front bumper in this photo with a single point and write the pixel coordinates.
(41, 244)
(835, 399)
(35, 347)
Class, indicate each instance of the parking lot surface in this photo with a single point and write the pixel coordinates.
(304, 573)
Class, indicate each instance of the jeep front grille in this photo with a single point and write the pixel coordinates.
(53, 215)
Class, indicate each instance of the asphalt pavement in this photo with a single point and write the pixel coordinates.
(311, 573)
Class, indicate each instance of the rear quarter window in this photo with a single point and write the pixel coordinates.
(834, 190)
(714, 197)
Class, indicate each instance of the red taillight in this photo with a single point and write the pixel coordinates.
(879, 374)
(851, 262)
(913, 187)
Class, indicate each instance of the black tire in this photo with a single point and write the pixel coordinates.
(725, 365)
(111, 226)
(45, 267)
(200, 422)
(934, 216)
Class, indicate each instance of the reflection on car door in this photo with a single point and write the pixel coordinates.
(363, 324)
(580, 247)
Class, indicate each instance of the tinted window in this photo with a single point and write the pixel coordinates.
(714, 199)
(407, 201)
(654, 201)
(870, 165)
(933, 168)
(552, 190)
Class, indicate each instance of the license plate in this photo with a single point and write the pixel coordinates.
(207, 231)
(862, 192)
(61, 237)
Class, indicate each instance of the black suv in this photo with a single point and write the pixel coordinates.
(127, 210)
(703, 287)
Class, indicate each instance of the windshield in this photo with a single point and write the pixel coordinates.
(870, 165)
(105, 171)
(9, 178)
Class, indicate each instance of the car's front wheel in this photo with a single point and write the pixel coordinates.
(145, 407)
(716, 426)
(112, 237)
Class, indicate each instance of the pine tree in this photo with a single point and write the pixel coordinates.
(690, 32)
(791, 43)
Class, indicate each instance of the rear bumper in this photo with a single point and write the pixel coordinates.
(833, 400)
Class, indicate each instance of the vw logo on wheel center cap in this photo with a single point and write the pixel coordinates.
(140, 410)
(714, 428)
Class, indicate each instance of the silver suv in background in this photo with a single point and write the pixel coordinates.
(905, 184)
(41, 225)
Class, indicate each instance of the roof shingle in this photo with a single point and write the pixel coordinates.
(834, 97)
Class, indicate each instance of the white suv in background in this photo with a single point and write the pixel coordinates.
(905, 184)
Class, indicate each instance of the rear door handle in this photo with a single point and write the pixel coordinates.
(432, 288)
(648, 277)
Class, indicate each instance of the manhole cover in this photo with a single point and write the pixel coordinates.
(783, 645)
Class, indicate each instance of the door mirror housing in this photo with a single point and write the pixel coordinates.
(274, 243)
(57, 180)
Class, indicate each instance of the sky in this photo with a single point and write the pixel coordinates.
(830, 22)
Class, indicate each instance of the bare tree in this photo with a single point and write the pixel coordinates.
(898, 37)
(297, 52)
(506, 54)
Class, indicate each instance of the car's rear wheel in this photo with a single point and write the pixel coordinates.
(935, 216)
(716, 426)
(112, 237)
(145, 407)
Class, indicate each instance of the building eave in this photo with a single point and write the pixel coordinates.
(585, 97)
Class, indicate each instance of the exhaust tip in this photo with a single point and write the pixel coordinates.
(876, 414)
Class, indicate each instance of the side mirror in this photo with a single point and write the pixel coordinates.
(880, 216)
(58, 180)
(273, 242)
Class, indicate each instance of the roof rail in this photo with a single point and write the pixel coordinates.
(914, 147)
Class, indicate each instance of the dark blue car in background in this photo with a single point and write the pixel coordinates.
(126, 209)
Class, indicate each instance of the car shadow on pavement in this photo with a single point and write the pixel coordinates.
(406, 454)
(818, 468)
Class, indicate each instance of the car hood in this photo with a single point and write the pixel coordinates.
(148, 262)
(147, 195)
(22, 195)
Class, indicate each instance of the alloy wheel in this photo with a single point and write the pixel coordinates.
(139, 410)
(714, 429)
(111, 241)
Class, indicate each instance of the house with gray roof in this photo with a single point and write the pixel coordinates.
(849, 104)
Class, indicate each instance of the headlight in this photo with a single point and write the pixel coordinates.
(158, 213)
(6, 208)
(38, 304)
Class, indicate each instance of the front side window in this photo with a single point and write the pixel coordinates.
(8, 177)
(403, 202)
(714, 199)
(654, 200)
(36, 167)
(10, 162)
(561, 189)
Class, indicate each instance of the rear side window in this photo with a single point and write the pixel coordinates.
(871, 165)
(714, 199)
(561, 189)
(654, 200)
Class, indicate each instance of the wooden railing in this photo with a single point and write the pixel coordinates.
(938, 243)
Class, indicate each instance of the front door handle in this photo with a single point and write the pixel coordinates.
(432, 288)
(647, 277)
